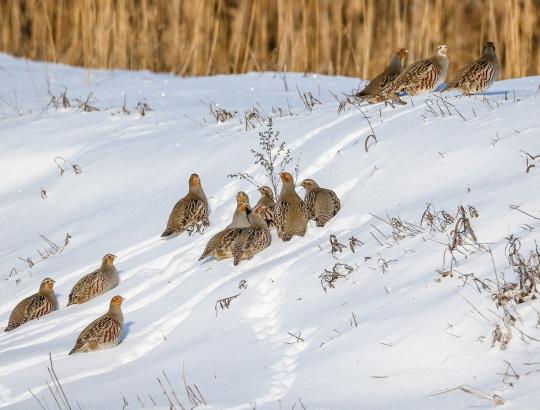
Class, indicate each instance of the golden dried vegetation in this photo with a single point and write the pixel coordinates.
(202, 37)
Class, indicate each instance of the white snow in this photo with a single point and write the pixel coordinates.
(414, 337)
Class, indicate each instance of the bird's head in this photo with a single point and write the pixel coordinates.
(47, 284)
(109, 259)
(194, 181)
(442, 50)
(266, 191)
(402, 53)
(116, 301)
(308, 184)
(489, 47)
(287, 179)
(242, 198)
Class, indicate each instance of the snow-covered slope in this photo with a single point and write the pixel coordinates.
(389, 335)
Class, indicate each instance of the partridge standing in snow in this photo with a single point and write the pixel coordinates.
(104, 332)
(95, 283)
(220, 245)
(420, 77)
(35, 306)
(478, 76)
(290, 212)
(188, 211)
(252, 240)
(241, 217)
(322, 204)
(267, 202)
(372, 92)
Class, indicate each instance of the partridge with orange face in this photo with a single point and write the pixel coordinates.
(241, 215)
(35, 306)
(290, 213)
(322, 204)
(95, 283)
(104, 332)
(372, 92)
(190, 211)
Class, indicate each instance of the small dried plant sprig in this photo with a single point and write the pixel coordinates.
(273, 156)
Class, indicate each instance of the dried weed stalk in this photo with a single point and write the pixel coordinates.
(307, 99)
(509, 374)
(86, 105)
(60, 101)
(440, 107)
(503, 338)
(400, 230)
(493, 398)
(44, 251)
(335, 245)
(530, 161)
(56, 389)
(527, 270)
(142, 107)
(346, 101)
(437, 221)
(328, 278)
(63, 163)
(224, 303)
(253, 117)
(462, 239)
(193, 395)
(282, 112)
(354, 242)
(383, 264)
(273, 157)
(219, 114)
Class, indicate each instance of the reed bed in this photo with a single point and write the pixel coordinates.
(204, 37)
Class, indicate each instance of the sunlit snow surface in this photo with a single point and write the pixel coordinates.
(413, 336)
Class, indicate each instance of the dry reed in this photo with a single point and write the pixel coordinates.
(202, 37)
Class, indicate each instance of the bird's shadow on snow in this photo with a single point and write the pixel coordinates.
(207, 260)
(493, 93)
(440, 87)
(127, 326)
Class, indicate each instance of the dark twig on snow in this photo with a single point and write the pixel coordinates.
(328, 278)
(307, 99)
(354, 242)
(335, 245)
(225, 303)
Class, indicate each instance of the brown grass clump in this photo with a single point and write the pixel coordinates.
(353, 37)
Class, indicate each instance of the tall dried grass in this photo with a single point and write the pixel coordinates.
(201, 37)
